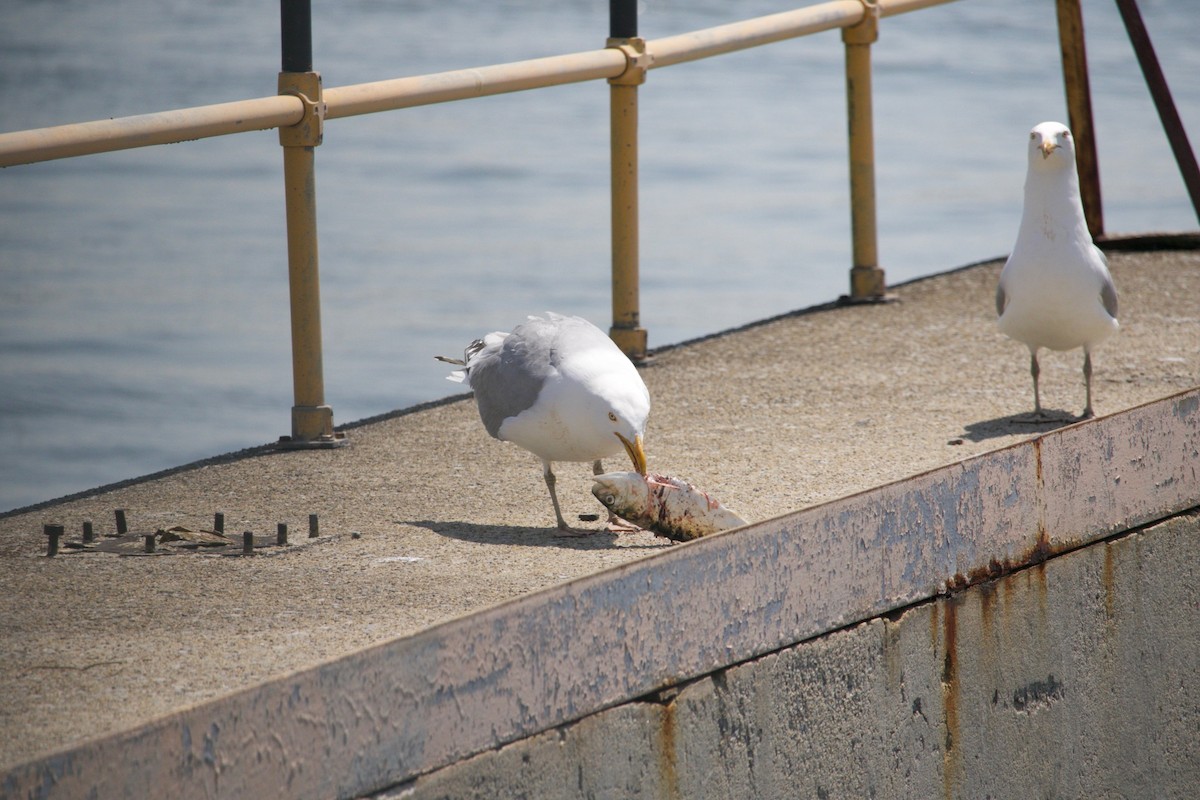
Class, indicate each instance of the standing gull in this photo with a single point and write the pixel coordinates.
(558, 387)
(1055, 291)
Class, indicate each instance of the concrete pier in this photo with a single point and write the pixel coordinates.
(1031, 585)
(1075, 677)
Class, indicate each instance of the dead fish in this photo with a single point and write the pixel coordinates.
(670, 507)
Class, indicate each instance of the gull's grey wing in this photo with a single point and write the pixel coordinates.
(507, 380)
(1108, 291)
(1108, 294)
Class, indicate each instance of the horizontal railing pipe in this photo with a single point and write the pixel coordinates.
(88, 138)
(443, 87)
(165, 127)
(889, 8)
(771, 28)
(754, 32)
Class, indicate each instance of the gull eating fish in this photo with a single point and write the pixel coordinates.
(558, 387)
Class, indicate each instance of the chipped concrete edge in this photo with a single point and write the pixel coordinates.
(408, 706)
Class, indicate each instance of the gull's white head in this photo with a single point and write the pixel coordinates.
(1051, 147)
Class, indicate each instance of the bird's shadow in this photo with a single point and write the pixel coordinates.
(597, 539)
(1018, 423)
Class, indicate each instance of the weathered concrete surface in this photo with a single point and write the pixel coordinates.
(1076, 677)
(215, 675)
(416, 704)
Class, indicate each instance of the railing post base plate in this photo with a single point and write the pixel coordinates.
(867, 285)
(632, 342)
(312, 428)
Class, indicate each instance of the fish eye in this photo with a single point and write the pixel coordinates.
(609, 499)
(612, 416)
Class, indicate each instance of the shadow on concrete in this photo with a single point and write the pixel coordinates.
(1017, 423)
(595, 539)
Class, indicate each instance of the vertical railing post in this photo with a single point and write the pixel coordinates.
(312, 419)
(1161, 93)
(626, 329)
(867, 281)
(1079, 112)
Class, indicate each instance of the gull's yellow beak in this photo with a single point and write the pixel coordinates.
(636, 452)
(1048, 146)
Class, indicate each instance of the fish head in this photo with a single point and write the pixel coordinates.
(626, 494)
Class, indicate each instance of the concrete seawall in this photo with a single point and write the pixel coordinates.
(1074, 677)
(1093, 627)
(437, 640)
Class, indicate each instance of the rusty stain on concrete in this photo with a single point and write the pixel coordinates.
(1040, 497)
(987, 605)
(667, 751)
(951, 757)
(995, 568)
(1110, 587)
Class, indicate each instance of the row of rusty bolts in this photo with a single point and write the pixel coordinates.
(55, 532)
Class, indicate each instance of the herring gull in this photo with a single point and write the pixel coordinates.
(560, 388)
(1055, 290)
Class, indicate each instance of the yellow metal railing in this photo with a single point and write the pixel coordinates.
(302, 106)
(45, 144)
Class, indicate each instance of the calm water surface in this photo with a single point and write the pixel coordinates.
(143, 294)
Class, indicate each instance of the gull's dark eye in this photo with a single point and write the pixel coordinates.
(1032, 136)
(1066, 134)
(612, 416)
